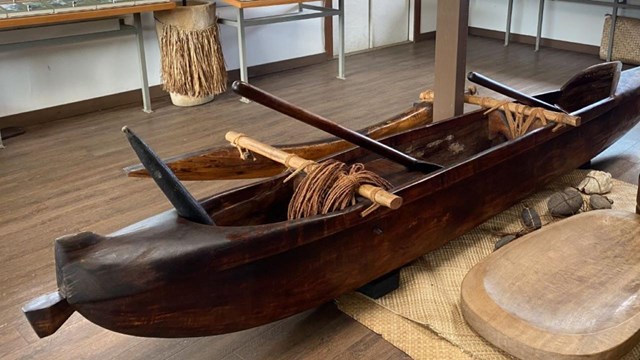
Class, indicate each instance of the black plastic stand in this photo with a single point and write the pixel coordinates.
(9, 132)
(586, 166)
(382, 285)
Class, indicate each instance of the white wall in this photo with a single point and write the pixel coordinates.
(356, 28)
(390, 22)
(373, 23)
(428, 12)
(274, 42)
(47, 76)
(566, 21)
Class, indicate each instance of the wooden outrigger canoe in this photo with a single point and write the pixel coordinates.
(223, 162)
(170, 277)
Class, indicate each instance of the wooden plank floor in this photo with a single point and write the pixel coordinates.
(63, 177)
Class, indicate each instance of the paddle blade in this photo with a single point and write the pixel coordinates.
(589, 86)
(184, 203)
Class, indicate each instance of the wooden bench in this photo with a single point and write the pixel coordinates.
(75, 16)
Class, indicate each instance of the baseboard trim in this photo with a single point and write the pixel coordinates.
(430, 35)
(528, 39)
(134, 97)
(274, 67)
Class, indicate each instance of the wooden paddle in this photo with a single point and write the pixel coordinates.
(184, 203)
(510, 92)
(589, 86)
(262, 97)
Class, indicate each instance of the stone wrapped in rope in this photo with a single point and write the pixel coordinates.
(565, 203)
(596, 182)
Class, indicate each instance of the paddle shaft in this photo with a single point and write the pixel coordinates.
(264, 98)
(184, 203)
(510, 92)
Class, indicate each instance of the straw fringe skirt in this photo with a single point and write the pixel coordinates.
(191, 55)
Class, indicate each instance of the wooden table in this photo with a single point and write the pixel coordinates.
(305, 11)
(51, 19)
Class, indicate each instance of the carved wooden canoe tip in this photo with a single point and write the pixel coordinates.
(47, 313)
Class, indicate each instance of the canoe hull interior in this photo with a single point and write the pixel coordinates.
(223, 279)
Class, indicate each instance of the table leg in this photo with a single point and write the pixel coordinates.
(341, 55)
(9, 132)
(612, 30)
(507, 32)
(146, 98)
(242, 49)
(540, 14)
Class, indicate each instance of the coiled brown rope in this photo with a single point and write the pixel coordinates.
(331, 186)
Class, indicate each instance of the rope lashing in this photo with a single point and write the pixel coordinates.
(298, 170)
(244, 153)
(520, 117)
(517, 120)
(332, 186)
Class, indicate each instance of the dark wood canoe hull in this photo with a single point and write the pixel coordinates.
(166, 277)
(223, 163)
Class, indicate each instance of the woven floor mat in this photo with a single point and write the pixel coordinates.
(423, 317)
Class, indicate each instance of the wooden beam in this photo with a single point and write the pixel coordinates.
(328, 31)
(417, 19)
(451, 57)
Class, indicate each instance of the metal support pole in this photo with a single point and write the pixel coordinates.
(507, 33)
(146, 98)
(341, 55)
(242, 49)
(540, 14)
(612, 30)
(370, 24)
